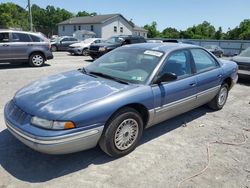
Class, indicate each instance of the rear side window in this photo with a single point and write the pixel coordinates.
(36, 38)
(203, 61)
(20, 37)
(72, 39)
(4, 37)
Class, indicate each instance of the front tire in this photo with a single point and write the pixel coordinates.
(220, 99)
(122, 133)
(36, 60)
(85, 52)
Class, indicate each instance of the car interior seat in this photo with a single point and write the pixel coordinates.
(174, 67)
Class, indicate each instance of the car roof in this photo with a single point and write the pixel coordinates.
(25, 32)
(165, 47)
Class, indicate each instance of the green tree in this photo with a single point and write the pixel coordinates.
(218, 34)
(171, 33)
(244, 30)
(84, 13)
(152, 30)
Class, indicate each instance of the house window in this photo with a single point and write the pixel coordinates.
(63, 28)
(79, 27)
(92, 28)
(144, 34)
(121, 29)
(115, 29)
(74, 28)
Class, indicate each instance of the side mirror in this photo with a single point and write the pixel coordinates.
(167, 77)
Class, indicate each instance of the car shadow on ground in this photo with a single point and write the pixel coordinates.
(28, 165)
(17, 65)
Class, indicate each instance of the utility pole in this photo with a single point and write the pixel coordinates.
(30, 16)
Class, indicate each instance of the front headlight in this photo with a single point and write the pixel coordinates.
(47, 124)
(102, 49)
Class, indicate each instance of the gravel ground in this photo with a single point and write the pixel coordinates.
(168, 153)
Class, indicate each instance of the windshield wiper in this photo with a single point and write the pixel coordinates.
(83, 70)
(108, 77)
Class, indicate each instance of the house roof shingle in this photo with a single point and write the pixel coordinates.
(89, 19)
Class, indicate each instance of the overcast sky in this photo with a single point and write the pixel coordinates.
(167, 13)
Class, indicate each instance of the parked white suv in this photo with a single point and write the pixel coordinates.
(20, 46)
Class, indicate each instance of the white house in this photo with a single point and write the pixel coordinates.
(104, 26)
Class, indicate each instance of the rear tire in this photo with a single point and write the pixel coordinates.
(220, 99)
(36, 60)
(122, 133)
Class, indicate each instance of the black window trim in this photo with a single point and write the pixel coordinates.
(218, 65)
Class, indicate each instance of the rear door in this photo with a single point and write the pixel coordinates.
(179, 96)
(20, 44)
(208, 75)
(4, 46)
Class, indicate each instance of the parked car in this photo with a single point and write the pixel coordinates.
(81, 48)
(113, 100)
(20, 46)
(62, 43)
(216, 50)
(243, 61)
(97, 50)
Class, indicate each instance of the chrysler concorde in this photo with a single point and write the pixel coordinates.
(111, 101)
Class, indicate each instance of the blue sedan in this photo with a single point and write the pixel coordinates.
(111, 101)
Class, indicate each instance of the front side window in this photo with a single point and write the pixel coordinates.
(20, 37)
(127, 64)
(179, 64)
(4, 37)
(203, 61)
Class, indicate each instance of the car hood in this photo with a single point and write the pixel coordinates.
(57, 95)
(79, 44)
(241, 59)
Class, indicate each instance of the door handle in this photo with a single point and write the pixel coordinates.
(219, 76)
(5, 45)
(192, 84)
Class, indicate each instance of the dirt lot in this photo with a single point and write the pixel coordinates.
(168, 153)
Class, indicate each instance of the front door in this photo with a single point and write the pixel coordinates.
(179, 96)
(4, 46)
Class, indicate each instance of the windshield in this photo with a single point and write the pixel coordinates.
(245, 53)
(88, 41)
(114, 40)
(127, 64)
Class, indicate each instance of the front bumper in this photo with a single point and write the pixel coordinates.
(96, 54)
(77, 51)
(60, 144)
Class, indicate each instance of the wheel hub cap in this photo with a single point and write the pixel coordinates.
(37, 60)
(222, 96)
(126, 134)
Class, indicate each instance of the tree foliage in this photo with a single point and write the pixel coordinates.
(152, 30)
